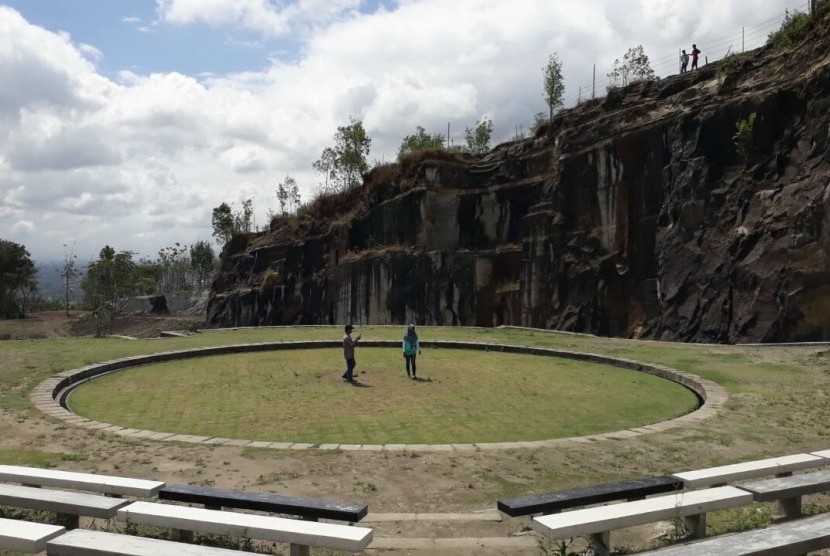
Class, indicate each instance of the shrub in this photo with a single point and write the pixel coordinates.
(743, 137)
(792, 30)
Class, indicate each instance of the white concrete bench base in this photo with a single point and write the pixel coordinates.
(789, 490)
(25, 536)
(749, 470)
(601, 520)
(793, 537)
(82, 542)
(269, 528)
(104, 484)
(68, 504)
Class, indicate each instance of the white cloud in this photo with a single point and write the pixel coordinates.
(140, 160)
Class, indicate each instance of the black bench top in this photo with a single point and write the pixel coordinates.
(265, 502)
(554, 502)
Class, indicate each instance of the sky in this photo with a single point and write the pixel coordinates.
(124, 123)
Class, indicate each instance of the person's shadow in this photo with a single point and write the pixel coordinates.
(357, 384)
(419, 379)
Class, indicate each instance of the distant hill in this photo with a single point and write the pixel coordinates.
(50, 283)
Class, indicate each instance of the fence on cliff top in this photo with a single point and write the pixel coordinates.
(713, 49)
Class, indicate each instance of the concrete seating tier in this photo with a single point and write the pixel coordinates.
(104, 484)
(81, 542)
(68, 505)
(554, 502)
(780, 466)
(24, 536)
(786, 539)
(598, 522)
(789, 490)
(299, 534)
(310, 509)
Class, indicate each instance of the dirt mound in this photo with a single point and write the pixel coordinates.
(55, 324)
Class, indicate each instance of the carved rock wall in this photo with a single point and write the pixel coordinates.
(632, 215)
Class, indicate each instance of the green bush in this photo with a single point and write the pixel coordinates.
(792, 30)
(743, 137)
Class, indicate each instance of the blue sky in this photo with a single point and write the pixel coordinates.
(126, 121)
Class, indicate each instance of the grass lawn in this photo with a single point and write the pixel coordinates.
(461, 396)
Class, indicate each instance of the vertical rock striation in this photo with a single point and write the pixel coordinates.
(633, 215)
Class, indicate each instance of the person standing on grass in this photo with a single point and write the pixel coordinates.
(348, 352)
(411, 348)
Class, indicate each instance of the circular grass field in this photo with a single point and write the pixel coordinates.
(462, 396)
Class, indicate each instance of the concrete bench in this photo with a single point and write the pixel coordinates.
(789, 490)
(25, 536)
(104, 484)
(555, 502)
(780, 466)
(82, 542)
(300, 535)
(310, 509)
(68, 505)
(598, 522)
(786, 539)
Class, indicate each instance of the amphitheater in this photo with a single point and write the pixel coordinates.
(441, 485)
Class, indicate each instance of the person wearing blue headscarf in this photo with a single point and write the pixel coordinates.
(411, 348)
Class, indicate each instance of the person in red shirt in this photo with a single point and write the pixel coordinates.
(348, 352)
(695, 54)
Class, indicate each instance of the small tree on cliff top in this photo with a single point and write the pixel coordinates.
(478, 138)
(554, 85)
(634, 67)
(344, 164)
(420, 141)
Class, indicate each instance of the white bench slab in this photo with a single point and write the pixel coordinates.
(278, 529)
(784, 465)
(600, 521)
(69, 504)
(105, 484)
(794, 537)
(822, 454)
(25, 536)
(82, 542)
(789, 490)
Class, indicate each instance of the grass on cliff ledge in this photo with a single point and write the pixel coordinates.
(461, 396)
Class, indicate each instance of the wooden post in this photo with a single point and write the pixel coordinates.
(594, 82)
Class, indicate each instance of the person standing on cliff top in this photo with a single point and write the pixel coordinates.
(348, 352)
(411, 348)
(684, 62)
(695, 54)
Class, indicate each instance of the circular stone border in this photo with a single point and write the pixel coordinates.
(50, 396)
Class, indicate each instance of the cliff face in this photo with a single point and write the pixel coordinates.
(632, 215)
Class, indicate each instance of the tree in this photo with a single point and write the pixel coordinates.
(634, 67)
(17, 279)
(343, 164)
(68, 273)
(174, 263)
(420, 141)
(554, 85)
(222, 222)
(226, 222)
(110, 283)
(326, 165)
(201, 261)
(294, 198)
(285, 194)
(478, 138)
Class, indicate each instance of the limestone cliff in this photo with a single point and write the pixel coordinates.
(632, 215)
